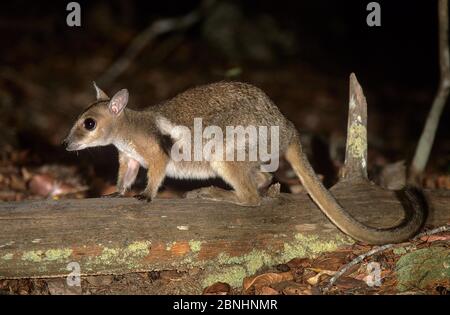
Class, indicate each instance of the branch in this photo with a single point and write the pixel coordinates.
(355, 167)
(428, 134)
(142, 39)
(121, 235)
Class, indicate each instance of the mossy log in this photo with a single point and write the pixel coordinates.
(116, 236)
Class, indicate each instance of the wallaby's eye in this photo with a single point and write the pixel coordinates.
(89, 124)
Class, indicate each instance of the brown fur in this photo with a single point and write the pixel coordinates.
(142, 139)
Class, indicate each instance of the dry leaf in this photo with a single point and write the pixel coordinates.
(296, 263)
(108, 189)
(331, 261)
(315, 280)
(444, 182)
(433, 238)
(42, 184)
(218, 288)
(350, 283)
(282, 268)
(17, 183)
(267, 291)
(294, 288)
(266, 279)
(27, 175)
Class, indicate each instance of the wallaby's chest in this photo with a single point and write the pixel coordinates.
(129, 149)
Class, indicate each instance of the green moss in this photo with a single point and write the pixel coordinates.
(108, 254)
(423, 268)
(357, 140)
(300, 246)
(223, 268)
(399, 251)
(7, 256)
(195, 246)
(57, 254)
(170, 245)
(54, 254)
(311, 245)
(232, 275)
(251, 262)
(32, 256)
(139, 248)
(128, 256)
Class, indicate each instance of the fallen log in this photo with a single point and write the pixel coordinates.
(114, 236)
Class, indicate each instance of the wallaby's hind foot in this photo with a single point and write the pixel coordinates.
(219, 194)
(263, 180)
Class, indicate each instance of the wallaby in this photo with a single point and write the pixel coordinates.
(146, 138)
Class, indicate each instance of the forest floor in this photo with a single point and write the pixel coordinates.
(405, 269)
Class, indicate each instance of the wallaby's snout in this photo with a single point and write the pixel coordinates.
(70, 143)
(71, 146)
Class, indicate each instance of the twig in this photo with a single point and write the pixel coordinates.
(428, 134)
(376, 250)
(142, 39)
(444, 228)
(356, 261)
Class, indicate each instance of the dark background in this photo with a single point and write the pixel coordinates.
(300, 52)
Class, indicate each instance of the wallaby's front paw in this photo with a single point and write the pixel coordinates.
(113, 195)
(143, 197)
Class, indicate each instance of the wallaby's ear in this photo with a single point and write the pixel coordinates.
(101, 96)
(118, 102)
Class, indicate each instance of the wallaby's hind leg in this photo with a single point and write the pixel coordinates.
(239, 176)
(263, 179)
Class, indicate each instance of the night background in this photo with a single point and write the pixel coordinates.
(299, 52)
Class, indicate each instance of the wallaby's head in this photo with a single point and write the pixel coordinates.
(97, 123)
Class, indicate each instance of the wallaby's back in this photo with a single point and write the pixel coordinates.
(226, 104)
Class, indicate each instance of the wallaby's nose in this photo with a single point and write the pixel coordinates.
(66, 143)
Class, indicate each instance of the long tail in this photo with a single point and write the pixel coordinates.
(411, 199)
